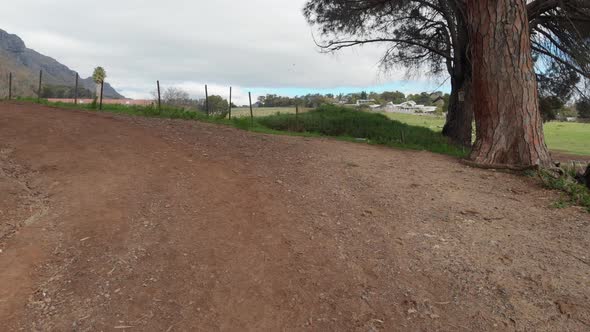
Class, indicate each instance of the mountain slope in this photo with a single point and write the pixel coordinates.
(25, 63)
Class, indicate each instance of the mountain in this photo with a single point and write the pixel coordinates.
(25, 63)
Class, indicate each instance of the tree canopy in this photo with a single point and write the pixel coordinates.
(99, 75)
(426, 34)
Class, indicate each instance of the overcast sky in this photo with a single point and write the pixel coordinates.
(263, 46)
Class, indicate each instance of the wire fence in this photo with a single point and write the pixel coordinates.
(79, 95)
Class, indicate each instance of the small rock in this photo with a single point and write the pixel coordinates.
(279, 182)
(367, 213)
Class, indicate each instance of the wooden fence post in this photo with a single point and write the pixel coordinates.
(76, 91)
(40, 82)
(230, 102)
(251, 112)
(101, 93)
(159, 97)
(206, 100)
(9, 86)
(297, 116)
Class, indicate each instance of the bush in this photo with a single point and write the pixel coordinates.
(218, 106)
(549, 107)
(377, 128)
(583, 108)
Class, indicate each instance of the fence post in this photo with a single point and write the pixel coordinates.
(251, 113)
(159, 97)
(76, 91)
(297, 116)
(206, 100)
(101, 93)
(40, 82)
(230, 102)
(9, 86)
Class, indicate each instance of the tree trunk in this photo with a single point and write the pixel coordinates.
(98, 92)
(458, 126)
(508, 121)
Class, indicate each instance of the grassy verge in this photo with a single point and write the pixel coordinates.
(373, 128)
(149, 111)
(575, 193)
(568, 137)
(338, 122)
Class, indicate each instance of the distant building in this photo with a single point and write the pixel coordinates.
(408, 107)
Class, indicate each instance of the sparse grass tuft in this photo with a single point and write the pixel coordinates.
(575, 192)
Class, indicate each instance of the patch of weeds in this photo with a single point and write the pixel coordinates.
(562, 203)
(565, 181)
(359, 126)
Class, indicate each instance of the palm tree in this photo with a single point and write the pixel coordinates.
(99, 76)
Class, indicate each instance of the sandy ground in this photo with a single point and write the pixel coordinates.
(111, 223)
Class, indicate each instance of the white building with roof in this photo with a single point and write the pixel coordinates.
(408, 107)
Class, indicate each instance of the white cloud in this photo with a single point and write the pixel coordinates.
(248, 44)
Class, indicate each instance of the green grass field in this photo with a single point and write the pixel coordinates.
(265, 111)
(565, 137)
(568, 137)
(434, 123)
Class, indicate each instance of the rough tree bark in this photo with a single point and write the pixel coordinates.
(508, 121)
(458, 126)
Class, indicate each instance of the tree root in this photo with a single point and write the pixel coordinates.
(517, 168)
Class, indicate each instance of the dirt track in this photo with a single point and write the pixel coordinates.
(122, 223)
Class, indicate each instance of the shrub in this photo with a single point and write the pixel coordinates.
(377, 128)
(583, 108)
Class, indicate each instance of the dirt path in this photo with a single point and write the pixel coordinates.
(111, 223)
